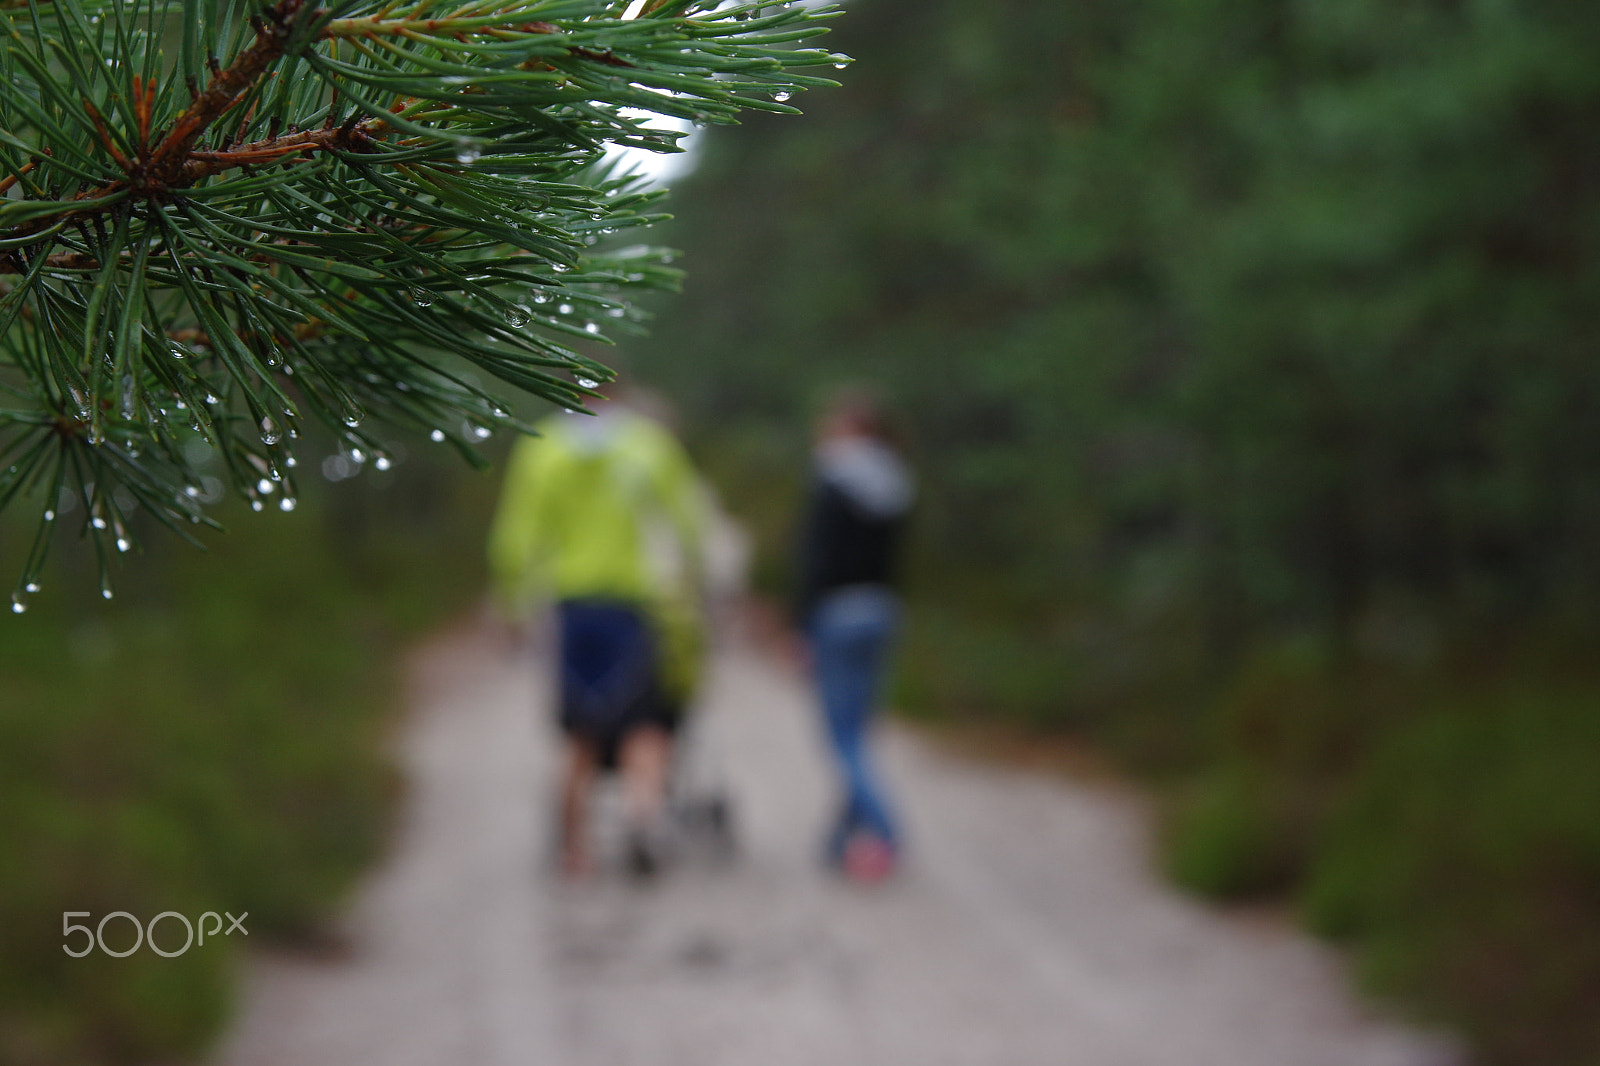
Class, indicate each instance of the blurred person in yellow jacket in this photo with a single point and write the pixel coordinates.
(603, 516)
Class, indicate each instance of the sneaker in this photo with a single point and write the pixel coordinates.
(868, 859)
(648, 850)
(642, 861)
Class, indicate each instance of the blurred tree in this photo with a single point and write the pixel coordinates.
(1259, 318)
(214, 227)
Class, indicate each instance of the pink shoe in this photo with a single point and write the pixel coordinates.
(868, 859)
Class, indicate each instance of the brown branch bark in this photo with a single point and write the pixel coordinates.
(165, 168)
(11, 179)
(355, 138)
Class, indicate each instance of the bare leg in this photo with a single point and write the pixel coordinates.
(646, 759)
(576, 785)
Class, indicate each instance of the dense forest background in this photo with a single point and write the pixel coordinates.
(1248, 351)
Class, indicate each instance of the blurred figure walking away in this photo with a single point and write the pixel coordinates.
(603, 517)
(849, 611)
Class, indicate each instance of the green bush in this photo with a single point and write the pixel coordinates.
(210, 740)
(1464, 863)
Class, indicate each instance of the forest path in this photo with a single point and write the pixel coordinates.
(1026, 928)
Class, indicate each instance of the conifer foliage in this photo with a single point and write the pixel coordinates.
(220, 222)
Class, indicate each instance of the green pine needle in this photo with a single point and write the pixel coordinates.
(220, 224)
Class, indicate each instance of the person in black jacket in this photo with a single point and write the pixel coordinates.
(849, 610)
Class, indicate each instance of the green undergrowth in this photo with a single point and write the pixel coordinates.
(1442, 825)
(212, 739)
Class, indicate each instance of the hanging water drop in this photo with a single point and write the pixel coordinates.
(49, 516)
(840, 60)
(97, 522)
(781, 96)
(352, 418)
(17, 606)
(467, 152)
(357, 455)
(436, 436)
(516, 317)
(617, 312)
(270, 433)
(287, 503)
(421, 297)
(565, 309)
(291, 462)
(265, 486)
(32, 586)
(255, 505)
(105, 592)
(123, 544)
(382, 462)
(587, 383)
(540, 297)
(591, 327)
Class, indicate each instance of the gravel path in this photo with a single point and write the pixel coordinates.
(1026, 929)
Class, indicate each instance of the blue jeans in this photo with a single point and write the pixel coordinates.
(851, 631)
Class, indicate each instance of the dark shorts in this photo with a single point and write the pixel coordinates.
(610, 673)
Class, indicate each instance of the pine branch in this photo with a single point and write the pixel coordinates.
(354, 221)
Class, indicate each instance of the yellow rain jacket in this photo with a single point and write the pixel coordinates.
(606, 506)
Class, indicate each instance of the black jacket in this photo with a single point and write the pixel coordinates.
(844, 540)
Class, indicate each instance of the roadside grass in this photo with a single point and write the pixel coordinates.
(1444, 827)
(213, 739)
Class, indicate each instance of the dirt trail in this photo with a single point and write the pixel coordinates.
(1026, 930)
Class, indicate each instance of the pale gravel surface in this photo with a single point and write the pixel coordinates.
(1026, 929)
